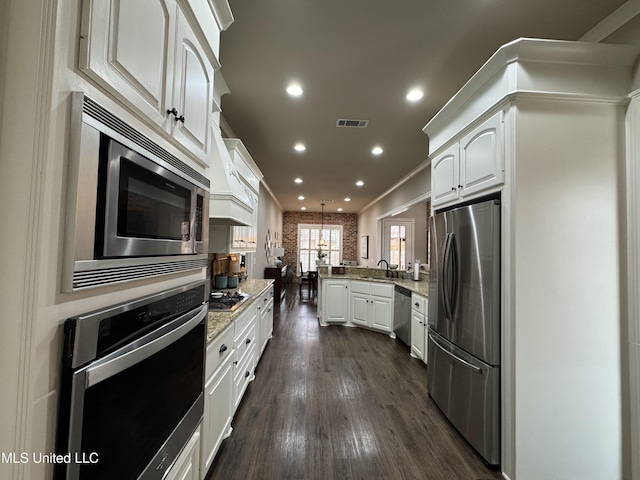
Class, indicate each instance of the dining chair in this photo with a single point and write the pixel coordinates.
(304, 278)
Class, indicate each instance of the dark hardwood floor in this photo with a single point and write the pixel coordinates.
(337, 403)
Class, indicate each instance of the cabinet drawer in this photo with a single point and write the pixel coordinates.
(245, 319)
(382, 290)
(242, 376)
(219, 349)
(245, 342)
(360, 287)
(419, 303)
(264, 304)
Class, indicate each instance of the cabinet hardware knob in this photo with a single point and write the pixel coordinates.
(235, 362)
(417, 304)
(180, 118)
(173, 112)
(247, 341)
(453, 189)
(246, 374)
(223, 348)
(459, 186)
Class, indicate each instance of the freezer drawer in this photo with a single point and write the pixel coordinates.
(467, 391)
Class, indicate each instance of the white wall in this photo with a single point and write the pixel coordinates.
(413, 190)
(269, 219)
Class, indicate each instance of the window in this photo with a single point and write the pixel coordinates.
(308, 244)
(398, 241)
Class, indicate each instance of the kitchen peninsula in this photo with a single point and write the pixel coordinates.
(369, 298)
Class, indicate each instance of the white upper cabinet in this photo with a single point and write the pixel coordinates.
(132, 62)
(471, 165)
(192, 92)
(148, 55)
(444, 175)
(481, 157)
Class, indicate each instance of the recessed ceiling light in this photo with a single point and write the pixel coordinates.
(301, 197)
(339, 209)
(298, 180)
(377, 150)
(294, 90)
(303, 208)
(300, 147)
(415, 95)
(359, 183)
(347, 199)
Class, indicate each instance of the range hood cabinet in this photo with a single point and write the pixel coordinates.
(231, 203)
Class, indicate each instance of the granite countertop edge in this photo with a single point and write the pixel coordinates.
(421, 287)
(218, 321)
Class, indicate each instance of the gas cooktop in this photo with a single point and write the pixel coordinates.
(226, 302)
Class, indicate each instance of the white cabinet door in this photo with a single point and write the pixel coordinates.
(192, 91)
(133, 63)
(481, 157)
(265, 313)
(360, 309)
(445, 175)
(471, 165)
(187, 466)
(161, 71)
(381, 309)
(218, 408)
(417, 334)
(336, 301)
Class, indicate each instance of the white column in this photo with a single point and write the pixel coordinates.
(633, 273)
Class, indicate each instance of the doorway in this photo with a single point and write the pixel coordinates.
(397, 241)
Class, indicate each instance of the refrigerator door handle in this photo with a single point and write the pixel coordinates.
(445, 263)
(448, 274)
(453, 254)
(456, 358)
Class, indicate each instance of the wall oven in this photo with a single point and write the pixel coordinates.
(134, 210)
(132, 386)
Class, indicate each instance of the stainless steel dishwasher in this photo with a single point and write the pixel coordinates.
(402, 314)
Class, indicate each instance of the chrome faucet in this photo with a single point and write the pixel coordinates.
(387, 263)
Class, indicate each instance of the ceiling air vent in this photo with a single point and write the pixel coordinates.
(348, 122)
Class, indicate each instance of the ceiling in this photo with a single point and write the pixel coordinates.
(357, 59)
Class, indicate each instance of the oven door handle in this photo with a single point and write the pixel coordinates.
(112, 365)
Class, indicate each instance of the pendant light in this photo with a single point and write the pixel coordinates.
(322, 243)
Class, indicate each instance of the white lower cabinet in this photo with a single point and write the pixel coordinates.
(335, 308)
(245, 354)
(218, 395)
(230, 365)
(372, 305)
(419, 327)
(265, 317)
(187, 465)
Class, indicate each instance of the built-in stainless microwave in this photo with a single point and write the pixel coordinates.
(134, 209)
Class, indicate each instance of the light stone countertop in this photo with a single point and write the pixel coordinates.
(217, 321)
(421, 287)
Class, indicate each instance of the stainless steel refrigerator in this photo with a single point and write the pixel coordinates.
(463, 372)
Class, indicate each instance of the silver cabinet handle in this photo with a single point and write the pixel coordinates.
(108, 366)
(456, 358)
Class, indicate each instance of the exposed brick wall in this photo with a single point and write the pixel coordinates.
(291, 220)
